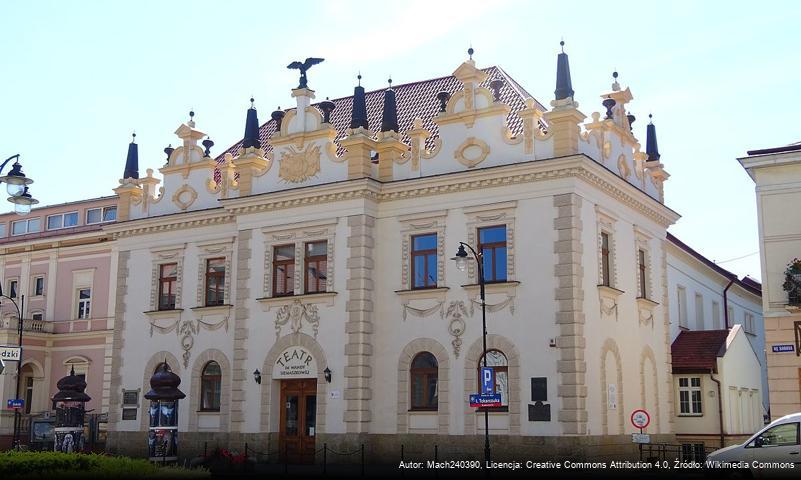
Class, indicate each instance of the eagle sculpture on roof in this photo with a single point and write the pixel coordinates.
(303, 67)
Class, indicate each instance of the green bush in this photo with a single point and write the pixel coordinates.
(75, 465)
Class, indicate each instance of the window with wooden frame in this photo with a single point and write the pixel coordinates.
(500, 367)
(316, 261)
(690, 398)
(210, 387)
(424, 261)
(12, 288)
(492, 245)
(215, 281)
(642, 266)
(606, 265)
(424, 376)
(168, 281)
(283, 270)
(38, 286)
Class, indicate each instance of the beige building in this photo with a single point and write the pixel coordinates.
(777, 174)
(301, 283)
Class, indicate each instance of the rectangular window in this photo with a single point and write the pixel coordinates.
(682, 305)
(2, 230)
(99, 215)
(690, 396)
(643, 269)
(12, 288)
(424, 261)
(699, 312)
(716, 315)
(730, 315)
(84, 302)
(492, 245)
(38, 286)
(37, 317)
(168, 282)
(62, 220)
(283, 270)
(22, 227)
(215, 281)
(605, 263)
(316, 266)
(748, 323)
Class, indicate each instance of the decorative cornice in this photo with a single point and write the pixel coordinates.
(577, 166)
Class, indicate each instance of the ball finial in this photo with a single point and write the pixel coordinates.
(252, 101)
(191, 114)
(359, 78)
(614, 75)
(389, 81)
(133, 135)
(470, 52)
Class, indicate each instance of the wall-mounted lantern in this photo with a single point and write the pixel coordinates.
(257, 376)
(327, 373)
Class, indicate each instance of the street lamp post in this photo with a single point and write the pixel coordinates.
(461, 264)
(20, 310)
(17, 186)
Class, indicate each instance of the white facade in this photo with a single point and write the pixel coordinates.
(694, 283)
(603, 349)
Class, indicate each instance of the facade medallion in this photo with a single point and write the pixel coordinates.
(299, 165)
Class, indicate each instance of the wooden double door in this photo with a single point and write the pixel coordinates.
(298, 420)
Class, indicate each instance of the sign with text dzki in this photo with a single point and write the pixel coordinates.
(294, 362)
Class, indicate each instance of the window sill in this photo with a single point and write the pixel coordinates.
(495, 410)
(157, 314)
(608, 291)
(690, 415)
(326, 298)
(646, 302)
(423, 294)
(213, 309)
(208, 412)
(490, 288)
(424, 411)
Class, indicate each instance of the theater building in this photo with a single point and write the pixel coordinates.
(301, 283)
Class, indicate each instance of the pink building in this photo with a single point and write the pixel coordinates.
(62, 263)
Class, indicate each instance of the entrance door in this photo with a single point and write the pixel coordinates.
(298, 420)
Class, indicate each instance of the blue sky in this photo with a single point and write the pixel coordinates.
(719, 77)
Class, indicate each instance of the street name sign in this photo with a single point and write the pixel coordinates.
(10, 353)
(640, 438)
(783, 348)
(13, 403)
(493, 400)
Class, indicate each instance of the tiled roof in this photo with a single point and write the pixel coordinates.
(697, 351)
(416, 99)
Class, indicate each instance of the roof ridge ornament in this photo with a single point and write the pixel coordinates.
(132, 161)
(304, 67)
(651, 147)
(359, 114)
(564, 86)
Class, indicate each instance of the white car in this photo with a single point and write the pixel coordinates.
(773, 452)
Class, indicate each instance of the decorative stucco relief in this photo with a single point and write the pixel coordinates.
(471, 152)
(299, 165)
(184, 197)
(456, 324)
(186, 330)
(294, 314)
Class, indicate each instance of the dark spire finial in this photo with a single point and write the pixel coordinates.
(169, 151)
(651, 147)
(389, 119)
(564, 86)
(133, 137)
(251, 138)
(327, 107)
(470, 52)
(443, 98)
(191, 114)
(389, 81)
(278, 116)
(208, 143)
(132, 162)
(614, 75)
(359, 115)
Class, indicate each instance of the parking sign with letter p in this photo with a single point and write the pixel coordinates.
(487, 380)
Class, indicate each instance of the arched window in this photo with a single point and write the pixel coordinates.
(424, 382)
(500, 366)
(210, 381)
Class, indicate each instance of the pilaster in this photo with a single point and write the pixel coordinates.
(569, 297)
(359, 326)
(359, 146)
(564, 122)
(244, 255)
(116, 360)
(390, 149)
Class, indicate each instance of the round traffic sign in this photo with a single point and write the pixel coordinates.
(640, 418)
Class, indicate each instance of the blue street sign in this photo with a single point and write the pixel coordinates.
(783, 348)
(493, 400)
(487, 380)
(15, 403)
